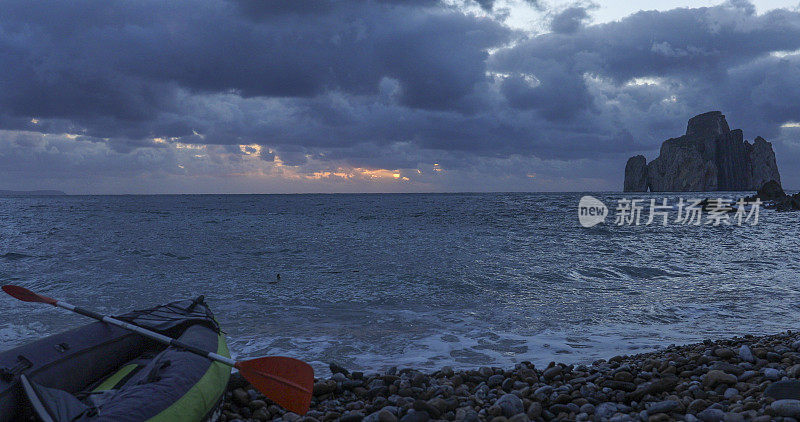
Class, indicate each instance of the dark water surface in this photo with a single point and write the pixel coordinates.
(372, 281)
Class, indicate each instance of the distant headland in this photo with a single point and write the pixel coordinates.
(30, 192)
(709, 157)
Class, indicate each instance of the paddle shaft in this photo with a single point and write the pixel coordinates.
(147, 333)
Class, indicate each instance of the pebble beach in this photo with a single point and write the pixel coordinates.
(748, 378)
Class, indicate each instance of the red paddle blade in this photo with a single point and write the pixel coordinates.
(287, 381)
(26, 295)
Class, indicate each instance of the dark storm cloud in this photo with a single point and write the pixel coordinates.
(389, 83)
(569, 20)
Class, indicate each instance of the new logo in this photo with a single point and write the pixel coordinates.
(591, 211)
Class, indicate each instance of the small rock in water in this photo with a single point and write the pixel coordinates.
(338, 369)
(448, 371)
(552, 372)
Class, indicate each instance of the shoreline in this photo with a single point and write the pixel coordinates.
(733, 379)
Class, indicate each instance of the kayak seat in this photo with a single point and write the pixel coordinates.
(172, 385)
(119, 378)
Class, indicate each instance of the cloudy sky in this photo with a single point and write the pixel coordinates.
(274, 96)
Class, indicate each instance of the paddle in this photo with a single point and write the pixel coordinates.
(287, 381)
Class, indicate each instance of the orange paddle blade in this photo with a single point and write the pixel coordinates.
(26, 295)
(287, 381)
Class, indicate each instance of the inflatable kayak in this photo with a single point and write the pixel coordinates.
(99, 372)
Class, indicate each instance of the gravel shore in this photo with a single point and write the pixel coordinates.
(743, 378)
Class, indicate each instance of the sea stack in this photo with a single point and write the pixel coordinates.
(709, 157)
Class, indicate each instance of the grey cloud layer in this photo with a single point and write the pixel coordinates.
(391, 84)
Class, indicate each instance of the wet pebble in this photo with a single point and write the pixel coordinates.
(727, 380)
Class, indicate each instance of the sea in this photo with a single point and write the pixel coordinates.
(371, 281)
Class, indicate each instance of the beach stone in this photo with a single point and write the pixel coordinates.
(711, 415)
(351, 384)
(587, 408)
(466, 414)
(447, 371)
(746, 354)
(746, 375)
(241, 397)
(734, 417)
(324, 387)
(665, 406)
(442, 405)
(495, 380)
(534, 410)
(730, 392)
(337, 369)
(724, 353)
(256, 404)
(715, 377)
(605, 410)
(654, 387)
(728, 368)
(543, 392)
(386, 416)
(620, 385)
(552, 372)
(793, 371)
(786, 389)
(510, 404)
(772, 374)
(422, 406)
(560, 408)
(415, 417)
(623, 376)
(261, 414)
(786, 407)
(350, 417)
(697, 406)
(331, 415)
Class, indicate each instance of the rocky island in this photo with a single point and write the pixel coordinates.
(709, 157)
